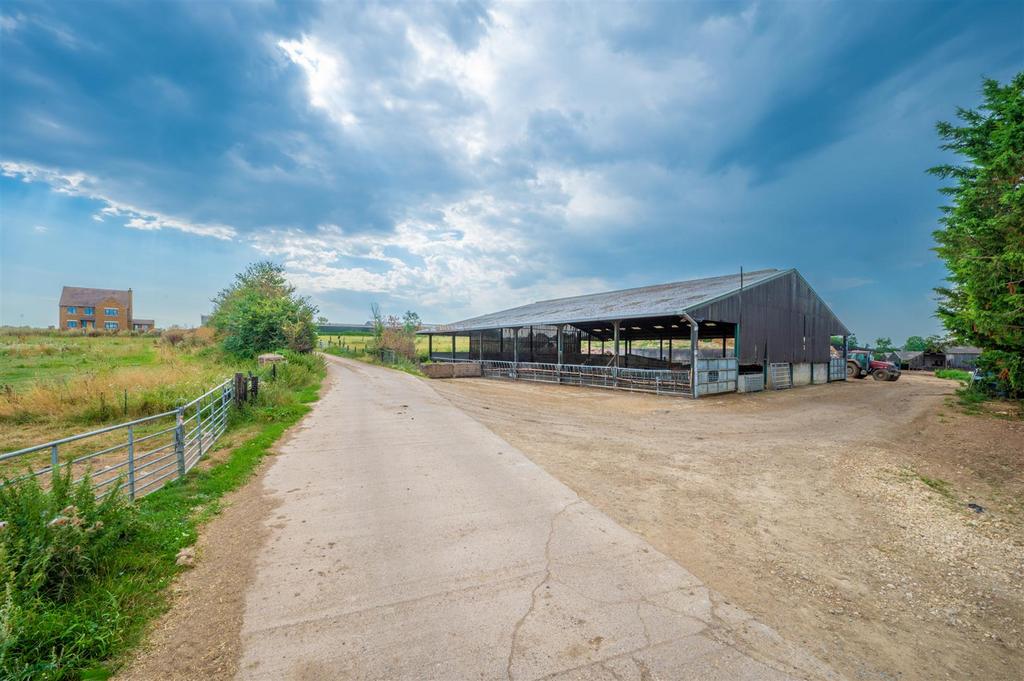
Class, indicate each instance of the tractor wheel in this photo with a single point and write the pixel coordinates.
(852, 370)
(880, 376)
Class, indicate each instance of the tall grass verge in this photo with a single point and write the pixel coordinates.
(80, 582)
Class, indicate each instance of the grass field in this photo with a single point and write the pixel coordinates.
(24, 359)
(52, 386)
(358, 342)
(75, 600)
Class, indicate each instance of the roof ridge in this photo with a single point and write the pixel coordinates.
(769, 270)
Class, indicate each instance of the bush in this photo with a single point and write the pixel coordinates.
(52, 543)
(1005, 371)
(261, 312)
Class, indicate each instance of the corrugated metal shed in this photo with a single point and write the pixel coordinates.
(634, 303)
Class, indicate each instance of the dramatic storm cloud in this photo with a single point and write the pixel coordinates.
(458, 157)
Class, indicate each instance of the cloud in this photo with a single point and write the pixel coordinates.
(40, 229)
(474, 154)
(82, 185)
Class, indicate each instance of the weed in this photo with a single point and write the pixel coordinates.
(938, 485)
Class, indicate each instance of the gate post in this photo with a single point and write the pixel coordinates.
(179, 440)
(131, 462)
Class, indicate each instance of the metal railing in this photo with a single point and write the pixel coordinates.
(139, 456)
(781, 374)
(658, 381)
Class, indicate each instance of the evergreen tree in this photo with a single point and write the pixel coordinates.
(982, 235)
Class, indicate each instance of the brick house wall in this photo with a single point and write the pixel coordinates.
(94, 315)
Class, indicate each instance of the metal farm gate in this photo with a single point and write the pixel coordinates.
(781, 375)
(836, 369)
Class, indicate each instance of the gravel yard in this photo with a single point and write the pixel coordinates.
(837, 514)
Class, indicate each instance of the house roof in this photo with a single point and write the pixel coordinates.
(909, 354)
(77, 295)
(963, 350)
(634, 303)
(136, 320)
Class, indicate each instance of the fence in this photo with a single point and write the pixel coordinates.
(659, 381)
(139, 456)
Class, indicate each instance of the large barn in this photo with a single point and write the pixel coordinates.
(742, 332)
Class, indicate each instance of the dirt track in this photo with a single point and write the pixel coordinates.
(836, 514)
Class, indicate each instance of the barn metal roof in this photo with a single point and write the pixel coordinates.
(634, 303)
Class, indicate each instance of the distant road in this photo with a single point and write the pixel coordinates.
(411, 542)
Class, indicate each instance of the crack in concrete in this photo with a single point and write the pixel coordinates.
(533, 594)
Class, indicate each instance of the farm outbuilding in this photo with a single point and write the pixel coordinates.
(719, 334)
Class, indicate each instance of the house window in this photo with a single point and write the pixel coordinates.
(110, 326)
(110, 311)
(88, 310)
(72, 309)
(72, 324)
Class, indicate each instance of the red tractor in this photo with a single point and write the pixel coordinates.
(860, 364)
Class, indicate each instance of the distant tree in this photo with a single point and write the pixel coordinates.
(884, 344)
(852, 340)
(935, 344)
(321, 320)
(981, 239)
(915, 344)
(411, 321)
(260, 311)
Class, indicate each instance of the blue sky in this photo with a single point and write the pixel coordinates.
(456, 158)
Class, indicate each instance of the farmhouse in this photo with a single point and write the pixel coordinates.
(83, 308)
(739, 331)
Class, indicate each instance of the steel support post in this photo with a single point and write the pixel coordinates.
(515, 353)
(615, 364)
(560, 350)
(694, 353)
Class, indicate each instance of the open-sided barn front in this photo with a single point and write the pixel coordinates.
(735, 332)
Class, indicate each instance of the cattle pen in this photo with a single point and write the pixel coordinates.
(739, 332)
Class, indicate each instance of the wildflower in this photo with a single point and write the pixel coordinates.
(3, 525)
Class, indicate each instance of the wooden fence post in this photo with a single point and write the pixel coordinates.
(239, 389)
(255, 388)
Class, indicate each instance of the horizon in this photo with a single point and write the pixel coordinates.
(455, 160)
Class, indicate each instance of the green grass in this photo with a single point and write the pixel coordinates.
(954, 374)
(940, 486)
(89, 634)
(26, 359)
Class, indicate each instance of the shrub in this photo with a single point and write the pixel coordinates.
(52, 543)
(173, 336)
(261, 312)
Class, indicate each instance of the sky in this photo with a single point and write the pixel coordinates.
(459, 158)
